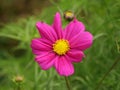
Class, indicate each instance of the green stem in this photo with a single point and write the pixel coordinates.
(106, 74)
(19, 86)
(36, 77)
(67, 83)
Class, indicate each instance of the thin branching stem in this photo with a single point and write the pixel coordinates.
(106, 74)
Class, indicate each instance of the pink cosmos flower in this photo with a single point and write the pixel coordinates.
(60, 48)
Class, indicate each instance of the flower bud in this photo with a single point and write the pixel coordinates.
(68, 15)
(18, 79)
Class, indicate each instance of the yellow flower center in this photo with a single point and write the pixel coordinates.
(61, 46)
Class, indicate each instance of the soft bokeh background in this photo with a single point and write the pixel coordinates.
(17, 28)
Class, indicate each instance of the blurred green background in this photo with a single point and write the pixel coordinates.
(17, 28)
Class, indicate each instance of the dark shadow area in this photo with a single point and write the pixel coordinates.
(13, 9)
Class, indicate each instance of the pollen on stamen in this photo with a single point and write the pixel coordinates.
(61, 47)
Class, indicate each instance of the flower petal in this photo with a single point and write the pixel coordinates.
(75, 55)
(74, 28)
(63, 66)
(57, 25)
(45, 60)
(81, 41)
(46, 31)
(40, 45)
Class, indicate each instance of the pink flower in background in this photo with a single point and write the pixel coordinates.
(60, 48)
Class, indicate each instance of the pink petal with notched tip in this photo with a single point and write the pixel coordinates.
(73, 28)
(46, 31)
(81, 41)
(75, 55)
(39, 45)
(45, 60)
(63, 66)
(57, 25)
